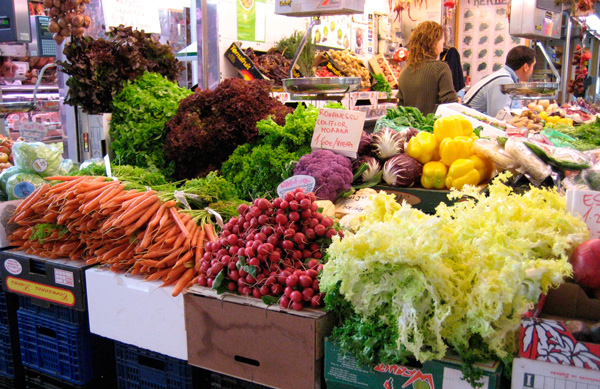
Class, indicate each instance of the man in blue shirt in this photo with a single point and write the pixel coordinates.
(485, 96)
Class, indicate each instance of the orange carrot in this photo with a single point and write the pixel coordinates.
(199, 250)
(143, 218)
(175, 216)
(184, 258)
(32, 198)
(159, 274)
(210, 232)
(175, 273)
(183, 281)
(171, 258)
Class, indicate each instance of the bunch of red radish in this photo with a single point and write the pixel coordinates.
(272, 250)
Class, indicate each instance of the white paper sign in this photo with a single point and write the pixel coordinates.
(353, 204)
(307, 183)
(586, 204)
(32, 131)
(139, 14)
(338, 130)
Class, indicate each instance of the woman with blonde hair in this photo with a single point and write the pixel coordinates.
(426, 81)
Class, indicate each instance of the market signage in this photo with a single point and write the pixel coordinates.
(41, 291)
(338, 130)
(139, 14)
(306, 183)
(586, 204)
(32, 131)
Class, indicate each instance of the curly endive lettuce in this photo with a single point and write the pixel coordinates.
(463, 275)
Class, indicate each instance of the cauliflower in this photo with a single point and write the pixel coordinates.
(332, 173)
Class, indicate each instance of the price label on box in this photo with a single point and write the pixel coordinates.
(586, 204)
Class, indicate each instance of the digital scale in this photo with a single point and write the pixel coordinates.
(42, 44)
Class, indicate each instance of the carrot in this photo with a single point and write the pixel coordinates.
(175, 273)
(199, 250)
(184, 258)
(148, 213)
(210, 232)
(183, 281)
(140, 207)
(151, 254)
(32, 198)
(93, 203)
(159, 274)
(121, 199)
(175, 215)
(185, 218)
(171, 258)
(140, 196)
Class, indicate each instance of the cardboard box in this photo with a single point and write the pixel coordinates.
(547, 338)
(320, 7)
(242, 337)
(57, 281)
(378, 64)
(7, 210)
(422, 199)
(528, 374)
(243, 64)
(134, 311)
(472, 115)
(342, 371)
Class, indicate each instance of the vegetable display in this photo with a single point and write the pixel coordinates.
(210, 124)
(332, 173)
(257, 168)
(99, 221)
(411, 117)
(586, 264)
(271, 250)
(410, 284)
(137, 126)
(37, 158)
(98, 68)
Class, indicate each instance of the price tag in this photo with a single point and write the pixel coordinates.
(31, 131)
(353, 204)
(338, 130)
(107, 166)
(307, 183)
(586, 204)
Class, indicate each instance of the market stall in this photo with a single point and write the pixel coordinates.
(286, 224)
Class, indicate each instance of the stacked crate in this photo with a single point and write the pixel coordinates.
(10, 360)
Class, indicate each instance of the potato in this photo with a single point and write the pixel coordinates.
(531, 106)
(544, 103)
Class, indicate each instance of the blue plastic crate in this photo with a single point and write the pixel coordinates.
(3, 308)
(59, 349)
(138, 368)
(9, 358)
(53, 311)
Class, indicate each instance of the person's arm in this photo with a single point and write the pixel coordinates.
(446, 92)
(400, 97)
(496, 100)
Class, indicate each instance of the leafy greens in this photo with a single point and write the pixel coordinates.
(459, 278)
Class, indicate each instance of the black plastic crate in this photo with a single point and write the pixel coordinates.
(10, 361)
(53, 311)
(138, 368)
(36, 380)
(10, 383)
(55, 348)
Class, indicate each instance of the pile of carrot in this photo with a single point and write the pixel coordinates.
(101, 222)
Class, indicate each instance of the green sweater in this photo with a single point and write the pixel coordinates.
(428, 85)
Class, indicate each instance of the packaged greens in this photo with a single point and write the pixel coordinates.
(22, 185)
(37, 157)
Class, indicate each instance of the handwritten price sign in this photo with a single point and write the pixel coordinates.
(338, 130)
(586, 204)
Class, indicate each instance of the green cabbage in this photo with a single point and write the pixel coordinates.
(21, 185)
(66, 167)
(37, 157)
(459, 278)
(8, 173)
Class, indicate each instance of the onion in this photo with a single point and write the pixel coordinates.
(586, 264)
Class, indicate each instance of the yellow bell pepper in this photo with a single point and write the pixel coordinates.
(447, 127)
(467, 127)
(568, 121)
(455, 148)
(434, 175)
(553, 119)
(422, 147)
(462, 172)
(484, 166)
(543, 115)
